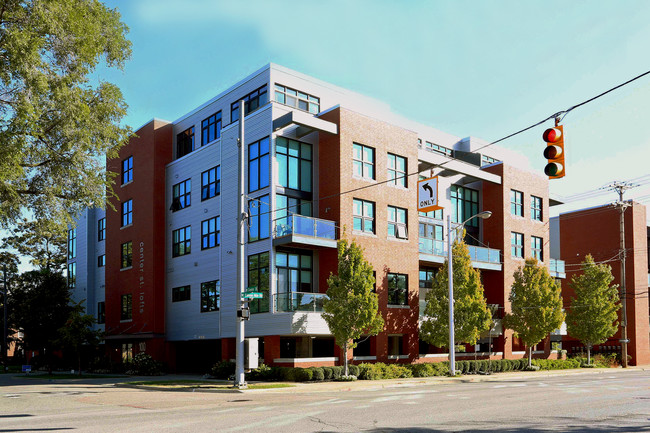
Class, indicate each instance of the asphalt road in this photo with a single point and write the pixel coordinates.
(605, 401)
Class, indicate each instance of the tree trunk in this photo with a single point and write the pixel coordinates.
(588, 354)
(345, 358)
(530, 356)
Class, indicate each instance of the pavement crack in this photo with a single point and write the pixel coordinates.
(336, 426)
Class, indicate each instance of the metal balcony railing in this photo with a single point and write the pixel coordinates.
(299, 301)
(303, 225)
(478, 254)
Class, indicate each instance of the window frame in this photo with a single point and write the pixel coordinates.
(206, 182)
(537, 248)
(211, 127)
(126, 308)
(181, 195)
(72, 243)
(255, 269)
(299, 268)
(127, 170)
(365, 219)
(255, 164)
(516, 203)
(536, 208)
(396, 176)
(362, 162)
(101, 312)
(517, 245)
(259, 208)
(127, 213)
(181, 290)
(101, 229)
(71, 276)
(395, 293)
(210, 292)
(256, 98)
(101, 260)
(286, 157)
(282, 93)
(185, 241)
(460, 205)
(394, 224)
(207, 235)
(126, 255)
(185, 142)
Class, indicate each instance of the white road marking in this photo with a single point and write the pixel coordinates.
(12, 395)
(261, 408)
(363, 406)
(276, 421)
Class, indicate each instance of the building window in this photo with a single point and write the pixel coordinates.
(258, 277)
(211, 183)
(464, 205)
(252, 102)
(258, 218)
(517, 244)
(101, 229)
(363, 215)
(295, 98)
(294, 164)
(72, 275)
(210, 296)
(285, 207)
(258, 165)
(426, 277)
(127, 213)
(397, 289)
(442, 150)
(535, 208)
(72, 243)
(181, 195)
(181, 294)
(536, 248)
(127, 170)
(431, 239)
(397, 222)
(516, 203)
(363, 161)
(101, 261)
(294, 274)
(181, 239)
(126, 312)
(127, 352)
(127, 255)
(211, 233)
(395, 344)
(211, 128)
(185, 142)
(101, 312)
(487, 160)
(397, 170)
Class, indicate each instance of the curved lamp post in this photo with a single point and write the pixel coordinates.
(450, 276)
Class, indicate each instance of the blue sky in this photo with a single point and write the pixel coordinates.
(479, 68)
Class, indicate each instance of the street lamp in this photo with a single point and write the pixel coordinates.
(450, 276)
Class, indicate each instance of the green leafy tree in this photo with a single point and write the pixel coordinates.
(57, 124)
(44, 241)
(78, 334)
(352, 309)
(536, 304)
(472, 316)
(593, 316)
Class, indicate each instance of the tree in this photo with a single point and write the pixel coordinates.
(39, 305)
(593, 316)
(536, 305)
(56, 125)
(472, 316)
(78, 332)
(42, 240)
(352, 309)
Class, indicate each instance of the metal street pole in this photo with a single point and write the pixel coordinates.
(241, 221)
(5, 349)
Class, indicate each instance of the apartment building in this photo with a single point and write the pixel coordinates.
(160, 269)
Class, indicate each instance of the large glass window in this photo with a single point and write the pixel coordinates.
(397, 170)
(127, 213)
(185, 142)
(426, 277)
(72, 275)
(258, 218)
(101, 260)
(431, 239)
(464, 205)
(296, 98)
(535, 208)
(101, 229)
(181, 241)
(181, 195)
(101, 312)
(517, 244)
(127, 170)
(211, 128)
(252, 102)
(442, 150)
(285, 207)
(258, 277)
(211, 183)
(126, 312)
(181, 294)
(516, 202)
(397, 222)
(397, 289)
(127, 255)
(210, 233)
(294, 272)
(210, 296)
(536, 248)
(72, 243)
(363, 215)
(258, 165)
(363, 161)
(294, 164)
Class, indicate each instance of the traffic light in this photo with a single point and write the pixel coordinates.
(554, 152)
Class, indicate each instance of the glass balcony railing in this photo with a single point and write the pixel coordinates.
(557, 265)
(478, 254)
(304, 225)
(299, 301)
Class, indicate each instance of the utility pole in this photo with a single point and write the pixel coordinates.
(5, 349)
(620, 188)
(241, 221)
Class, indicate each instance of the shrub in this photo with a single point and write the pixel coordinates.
(422, 370)
(317, 374)
(144, 365)
(337, 371)
(223, 369)
(263, 372)
(287, 374)
(349, 378)
(369, 372)
(327, 373)
(302, 374)
(557, 364)
(353, 370)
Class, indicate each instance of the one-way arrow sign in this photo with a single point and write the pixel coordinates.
(428, 195)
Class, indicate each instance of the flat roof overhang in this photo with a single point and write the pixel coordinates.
(432, 258)
(306, 123)
(453, 167)
(304, 241)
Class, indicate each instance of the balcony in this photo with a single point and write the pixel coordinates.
(304, 231)
(435, 251)
(299, 301)
(556, 268)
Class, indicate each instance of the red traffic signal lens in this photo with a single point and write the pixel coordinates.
(552, 152)
(552, 135)
(553, 169)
